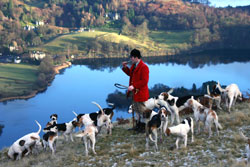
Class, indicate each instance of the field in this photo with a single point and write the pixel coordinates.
(17, 79)
(127, 148)
(76, 43)
(171, 39)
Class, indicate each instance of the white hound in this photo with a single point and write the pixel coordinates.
(181, 131)
(25, 143)
(231, 93)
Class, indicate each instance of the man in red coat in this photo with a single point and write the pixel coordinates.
(138, 81)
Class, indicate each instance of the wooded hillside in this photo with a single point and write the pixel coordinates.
(28, 23)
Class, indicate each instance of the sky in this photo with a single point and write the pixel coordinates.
(233, 3)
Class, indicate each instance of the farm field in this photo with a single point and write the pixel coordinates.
(17, 79)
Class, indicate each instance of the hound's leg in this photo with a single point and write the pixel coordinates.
(172, 118)
(44, 145)
(198, 124)
(177, 116)
(19, 156)
(192, 131)
(155, 134)
(52, 148)
(65, 137)
(208, 126)
(230, 104)
(86, 145)
(92, 138)
(54, 145)
(177, 143)
(185, 140)
(71, 137)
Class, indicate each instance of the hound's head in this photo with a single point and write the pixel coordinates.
(167, 97)
(190, 102)
(163, 113)
(75, 123)
(130, 109)
(218, 90)
(103, 119)
(53, 117)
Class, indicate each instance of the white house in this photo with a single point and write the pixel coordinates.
(39, 23)
(37, 55)
(28, 27)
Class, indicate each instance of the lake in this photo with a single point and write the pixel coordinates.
(76, 87)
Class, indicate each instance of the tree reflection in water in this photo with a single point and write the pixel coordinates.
(122, 102)
(197, 60)
(1, 129)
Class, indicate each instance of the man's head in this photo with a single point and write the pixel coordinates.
(135, 53)
(135, 56)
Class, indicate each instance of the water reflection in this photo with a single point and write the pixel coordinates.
(1, 129)
(121, 101)
(198, 60)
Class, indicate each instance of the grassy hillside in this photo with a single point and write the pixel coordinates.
(17, 79)
(127, 148)
(80, 43)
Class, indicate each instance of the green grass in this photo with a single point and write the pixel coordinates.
(157, 41)
(171, 39)
(17, 79)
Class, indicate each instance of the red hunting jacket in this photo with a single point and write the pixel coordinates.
(139, 79)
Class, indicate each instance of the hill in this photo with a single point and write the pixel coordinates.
(127, 148)
(26, 24)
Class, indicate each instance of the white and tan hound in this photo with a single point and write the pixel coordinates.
(88, 135)
(203, 114)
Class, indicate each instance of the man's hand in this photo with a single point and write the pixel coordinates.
(124, 64)
(130, 88)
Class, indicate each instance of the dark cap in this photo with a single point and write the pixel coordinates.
(135, 53)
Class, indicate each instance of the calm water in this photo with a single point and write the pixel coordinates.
(77, 86)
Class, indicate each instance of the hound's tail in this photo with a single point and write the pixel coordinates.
(150, 137)
(208, 92)
(81, 134)
(216, 121)
(40, 127)
(74, 113)
(98, 106)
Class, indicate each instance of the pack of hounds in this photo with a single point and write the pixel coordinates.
(203, 108)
